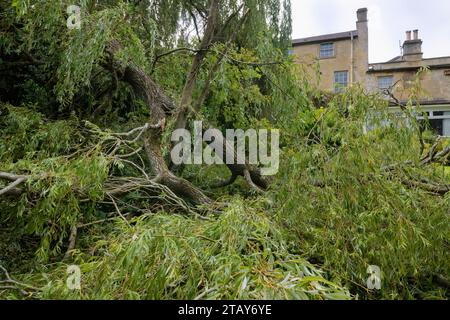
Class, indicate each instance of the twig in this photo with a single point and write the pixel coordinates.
(443, 153)
(123, 156)
(118, 210)
(214, 68)
(397, 102)
(12, 186)
(441, 190)
(72, 241)
(432, 153)
(11, 284)
(253, 64)
(22, 292)
(10, 176)
(98, 221)
(124, 185)
(141, 130)
(134, 165)
(157, 58)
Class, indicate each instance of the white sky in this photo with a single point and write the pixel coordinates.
(388, 21)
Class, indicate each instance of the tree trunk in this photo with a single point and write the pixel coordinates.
(159, 104)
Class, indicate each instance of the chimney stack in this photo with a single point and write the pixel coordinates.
(412, 48)
(362, 15)
(359, 69)
(408, 35)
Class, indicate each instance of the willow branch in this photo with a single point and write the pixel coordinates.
(16, 180)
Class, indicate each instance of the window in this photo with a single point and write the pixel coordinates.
(446, 124)
(385, 82)
(326, 50)
(340, 81)
(438, 122)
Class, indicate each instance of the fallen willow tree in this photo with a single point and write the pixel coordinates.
(86, 177)
(160, 106)
(171, 249)
(108, 61)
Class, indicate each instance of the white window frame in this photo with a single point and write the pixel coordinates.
(445, 120)
(431, 115)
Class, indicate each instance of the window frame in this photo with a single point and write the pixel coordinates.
(332, 50)
(339, 86)
(380, 78)
(432, 118)
(432, 113)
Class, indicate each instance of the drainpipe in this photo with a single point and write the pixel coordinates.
(352, 58)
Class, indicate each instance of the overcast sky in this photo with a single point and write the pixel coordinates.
(388, 21)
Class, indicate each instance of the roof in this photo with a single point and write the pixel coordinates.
(433, 102)
(396, 59)
(406, 69)
(436, 61)
(327, 37)
(400, 64)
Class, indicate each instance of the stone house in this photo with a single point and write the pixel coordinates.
(343, 59)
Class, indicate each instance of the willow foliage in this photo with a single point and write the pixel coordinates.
(57, 181)
(239, 255)
(342, 193)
